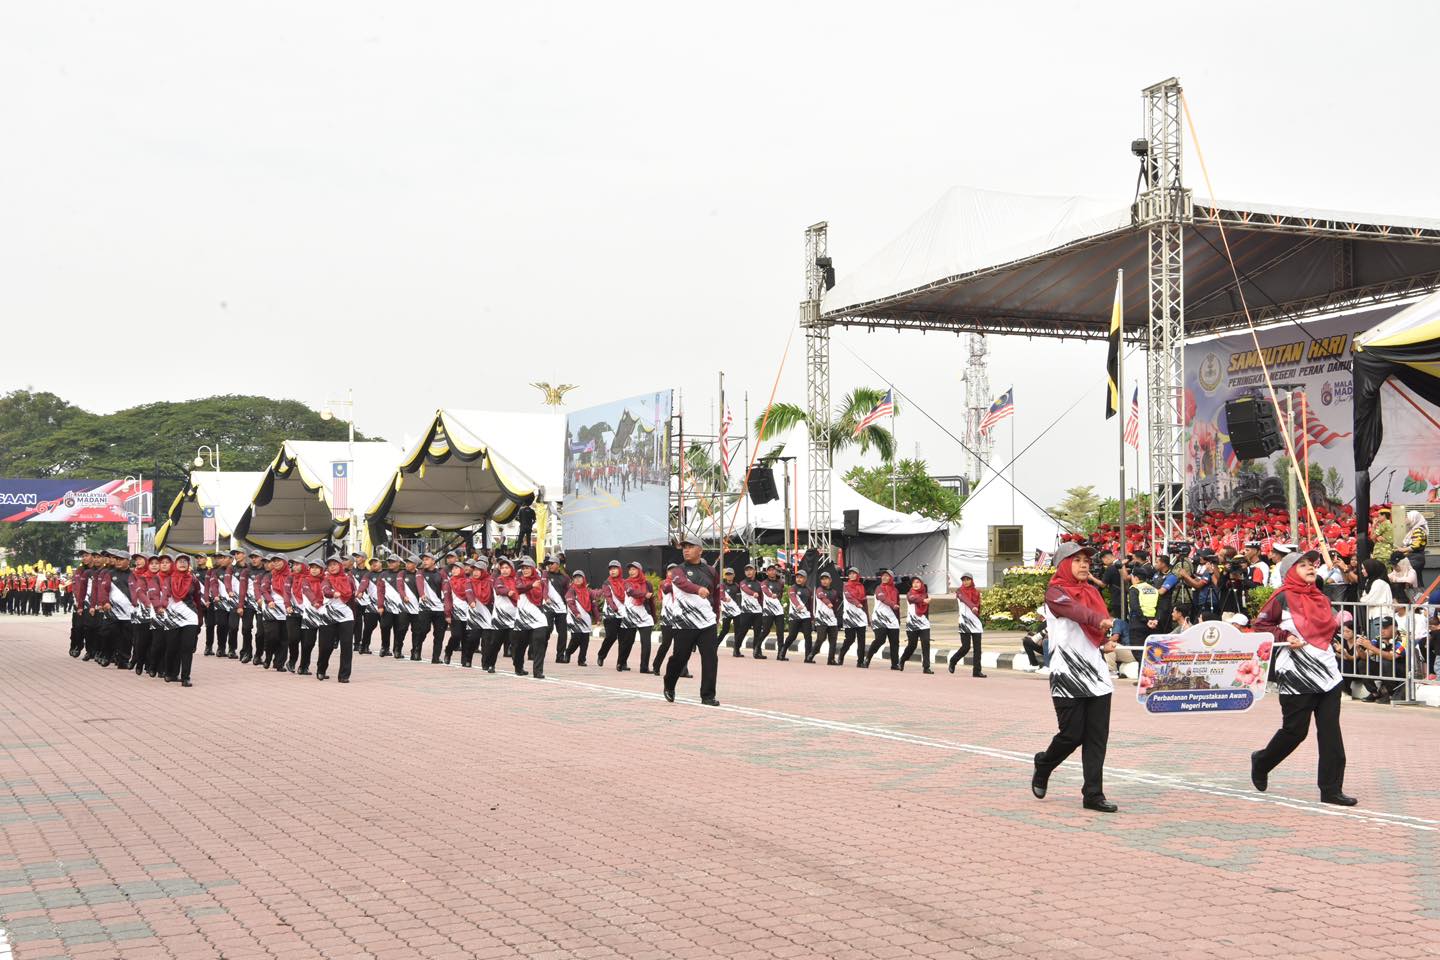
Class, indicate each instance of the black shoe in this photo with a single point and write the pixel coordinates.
(737, 653)
(344, 679)
(521, 672)
(86, 657)
(863, 664)
(710, 701)
(233, 655)
(952, 666)
(1260, 780)
(669, 695)
(761, 656)
(687, 675)
(978, 676)
(809, 659)
(322, 676)
(1371, 698)
(303, 672)
(622, 669)
(539, 674)
(139, 669)
(489, 669)
(415, 657)
(1101, 804)
(1383, 699)
(437, 660)
(581, 662)
(1039, 784)
(1338, 799)
(647, 670)
(447, 658)
(186, 683)
(104, 662)
(897, 666)
(928, 670)
(169, 679)
(209, 652)
(245, 658)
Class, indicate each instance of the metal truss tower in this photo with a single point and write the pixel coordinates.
(817, 386)
(1164, 209)
(977, 403)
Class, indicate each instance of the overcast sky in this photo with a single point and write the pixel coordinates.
(437, 203)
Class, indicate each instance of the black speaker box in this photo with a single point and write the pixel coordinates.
(852, 523)
(761, 485)
(1253, 433)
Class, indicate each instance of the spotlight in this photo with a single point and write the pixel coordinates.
(1141, 148)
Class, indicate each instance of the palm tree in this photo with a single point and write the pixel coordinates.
(840, 431)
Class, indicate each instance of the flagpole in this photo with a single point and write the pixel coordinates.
(1012, 454)
(1120, 405)
(895, 458)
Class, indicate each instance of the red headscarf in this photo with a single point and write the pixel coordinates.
(180, 581)
(1310, 607)
(1082, 592)
(969, 595)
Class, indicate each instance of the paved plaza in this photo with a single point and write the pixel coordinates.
(427, 811)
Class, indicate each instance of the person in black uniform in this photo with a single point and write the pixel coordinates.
(827, 620)
(772, 610)
(250, 580)
(751, 605)
(557, 585)
(429, 587)
(729, 603)
(802, 600)
(695, 585)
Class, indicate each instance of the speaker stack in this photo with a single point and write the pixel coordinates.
(1253, 433)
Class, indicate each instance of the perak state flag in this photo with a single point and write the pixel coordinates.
(1112, 358)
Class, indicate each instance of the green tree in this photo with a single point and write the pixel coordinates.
(839, 433)
(1137, 510)
(915, 490)
(1079, 509)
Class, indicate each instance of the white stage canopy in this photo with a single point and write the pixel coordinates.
(991, 505)
(293, 505)
(470, 466)
(227, 492)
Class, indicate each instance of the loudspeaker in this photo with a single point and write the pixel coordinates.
(852, 523)
(1253, 433)
(760, 482)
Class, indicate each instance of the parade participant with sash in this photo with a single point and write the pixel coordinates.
(79, 591)
(482, 612)
(98, 604)
(1306, 676)
(507, 593)
(158, 601)
(694, 584)
(917, 623)
(358, 572)
(887, 619)
(801, 602)
(614, 608)
(1079, 627)
(967, 608)
(252, 639)
(140, 625)
(532, 629)
(558, 584)
(429, 615)
(854, 617)
(185, 606)
(337, 619)
(729, 603)
(121, 619)
(772, 611)
(751, 609)
(580, 605)
(277, 613)
(310, 603)
(827, 620)
(367, 598)
(457, 612)
(638, 618)
(667, 602)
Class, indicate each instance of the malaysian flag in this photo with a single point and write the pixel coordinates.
(340, 484)
(1004, 406)
(881, 410)
(208, 515)
(1132, 429)
(1306, 423)
(725, 441)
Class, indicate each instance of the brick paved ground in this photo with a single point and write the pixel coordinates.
(823, 812)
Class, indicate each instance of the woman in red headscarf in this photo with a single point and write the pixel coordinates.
(1306, 675)
(1080, 686)
(967, 607)
(638, 616)
(185, 607)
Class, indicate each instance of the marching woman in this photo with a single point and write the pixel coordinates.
(614, 595)
(140, 600)
(580, 605)
(312, 611)
(772, 613)
(827, 606)
(275, 595)
(638, 618)
(507, 592)
(887, 619)
(751, 606)
(729, 603)
(164, 568)
(1306, 675)
(295, 619)
(1080, 685)
(532, 628)
(917, 623)
(967, 605)
(667, 620)
(854, 617)
(337, 619)
(186, 606)
(482, 612)
(458, 595)
(802, 600)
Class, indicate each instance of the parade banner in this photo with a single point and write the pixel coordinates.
(1312, 359)
(75, 501)
(1210, 667)
(617, 474)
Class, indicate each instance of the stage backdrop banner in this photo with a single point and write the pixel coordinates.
(617, 474)
(1210, 667)
(75, 501)
(1314, 358)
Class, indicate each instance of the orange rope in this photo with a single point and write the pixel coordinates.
(1255, 338)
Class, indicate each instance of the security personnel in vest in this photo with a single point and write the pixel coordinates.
(1144, 603)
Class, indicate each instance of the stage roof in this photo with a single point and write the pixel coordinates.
(989, 262)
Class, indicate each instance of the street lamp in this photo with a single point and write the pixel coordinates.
(206, 452)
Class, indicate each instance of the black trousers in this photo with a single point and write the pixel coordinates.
(232, 633)
(247, 633)
(494, 640)
(579, 643)
(627, 643)
(393, 627)
(1034, 652)
(155, 662)
(612, 634)
(855, 636)
(424, 624)
(958, 657)
(705, 640)
(77, 633)
(308, 636)
(180, 651)
(558, 626)
(122, 635)
(139, 644)
(744, 623)
(371, 619)
(1084, 723)
(768, 622)
(212, 620)
(104, 637)
(882, 635)
(470, 638)
(824, 633)
(922, 637)
(1296, 710)
(357, 624)
(798, 626)
(277, 642)
(334, 635)
(458, 629)
(724, 630)
(534, 642)
(291, 655)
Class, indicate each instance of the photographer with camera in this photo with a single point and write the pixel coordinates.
(1235, 583)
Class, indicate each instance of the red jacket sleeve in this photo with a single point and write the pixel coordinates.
(1064, 605)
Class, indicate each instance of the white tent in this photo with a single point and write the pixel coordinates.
(227, 492)
(991, 504)
(293, 504)
(470, 466)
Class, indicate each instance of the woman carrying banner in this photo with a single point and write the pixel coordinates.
(1080, 685)
(1306, 676)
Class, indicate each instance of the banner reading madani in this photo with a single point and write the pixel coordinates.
(1210, 667)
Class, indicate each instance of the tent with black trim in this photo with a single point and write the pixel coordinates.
(293, 506)
(470, 466)
(227, 492)
(1396, 370)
